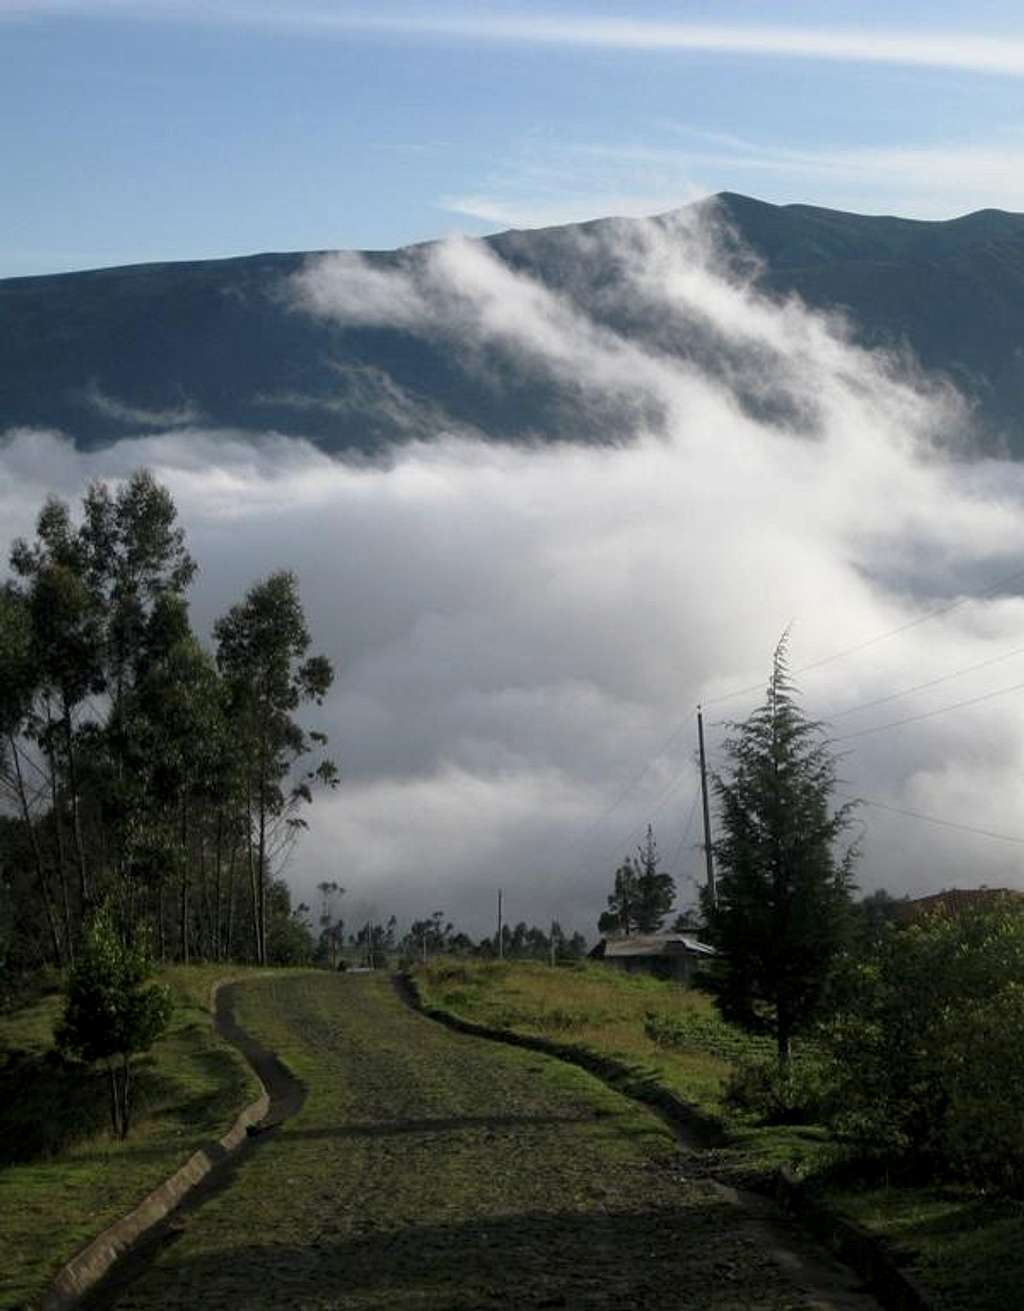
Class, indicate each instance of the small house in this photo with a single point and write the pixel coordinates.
(666, 955)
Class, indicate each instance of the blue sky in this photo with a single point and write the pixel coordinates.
(138, 130)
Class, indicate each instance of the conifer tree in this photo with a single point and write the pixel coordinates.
(783, 891)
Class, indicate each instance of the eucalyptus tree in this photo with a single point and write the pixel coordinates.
(22, 786)
(66, 654)
(262, 654)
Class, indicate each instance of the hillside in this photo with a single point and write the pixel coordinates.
(106, 353)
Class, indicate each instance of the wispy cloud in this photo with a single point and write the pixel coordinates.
(987, 54)
(571, 182)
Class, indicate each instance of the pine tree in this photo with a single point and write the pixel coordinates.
(783, 892)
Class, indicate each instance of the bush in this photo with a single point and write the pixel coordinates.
(686, 1030)
(108, 1015)
(799, 1094)
(983, 1128)
(928, 1044)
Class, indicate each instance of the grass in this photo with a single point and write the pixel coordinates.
(665, 1033)
(63, 1178)
(965, 1249)
(431, 1171)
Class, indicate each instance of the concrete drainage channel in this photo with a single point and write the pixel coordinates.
(855, 1247)
(115, 1256)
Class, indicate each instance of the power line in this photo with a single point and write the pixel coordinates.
(686, 830)
(936, 613)
(943, 823)
(921, 687)
(929, 714)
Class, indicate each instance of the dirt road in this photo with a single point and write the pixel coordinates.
(432, 1171)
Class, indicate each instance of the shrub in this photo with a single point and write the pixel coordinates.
(108, 1015)
(928, 1044)
(796, 1094)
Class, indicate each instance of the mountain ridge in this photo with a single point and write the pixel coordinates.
(105, 353)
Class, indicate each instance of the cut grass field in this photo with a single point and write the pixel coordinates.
(966, 1250)
(63, 1178)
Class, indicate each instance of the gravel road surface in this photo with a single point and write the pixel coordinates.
(425, 1170)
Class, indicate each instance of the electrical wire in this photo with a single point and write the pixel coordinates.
(943, 823)
(921, 687)
(673, 863)
(929, 714)
(936, 613)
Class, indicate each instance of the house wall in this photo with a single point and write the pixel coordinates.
(677, 967)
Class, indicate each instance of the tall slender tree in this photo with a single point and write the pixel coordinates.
(784, 889)
(262, 647)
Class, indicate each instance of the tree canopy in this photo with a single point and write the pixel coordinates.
(138, 768)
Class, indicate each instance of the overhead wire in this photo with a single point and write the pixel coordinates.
(922, 687)
(929, 714)
(857, 647)
(943, 823)
(935, 613)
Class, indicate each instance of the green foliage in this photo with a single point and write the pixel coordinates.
(134, 767)
(108, 1015)
(928, 1045)
(799, 1092)
(642, 894)
(262, 646)
(693, 1030)
(783, 897)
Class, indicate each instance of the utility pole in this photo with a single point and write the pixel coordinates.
(709, 858)
(553, 953)
(501, 945)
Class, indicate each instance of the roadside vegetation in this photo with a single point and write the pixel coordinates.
(835, 1122)
(63, 1175)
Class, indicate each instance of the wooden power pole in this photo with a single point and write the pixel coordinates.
(501, 945)
(708, 857)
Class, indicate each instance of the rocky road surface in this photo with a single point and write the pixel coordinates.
(425, 1170)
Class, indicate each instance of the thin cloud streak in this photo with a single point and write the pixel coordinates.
(991, 55)
(574, 181)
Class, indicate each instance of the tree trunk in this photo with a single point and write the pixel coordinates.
(253, 887)
(125, 1090)
(115, 1101)
(37, 855)
(76, 817)
(229, 939)
(218, 857)
(184, 882)
(62, 880)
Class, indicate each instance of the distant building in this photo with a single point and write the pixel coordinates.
(666, 955)
(953, 901)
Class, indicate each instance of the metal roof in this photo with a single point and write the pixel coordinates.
(656, 944)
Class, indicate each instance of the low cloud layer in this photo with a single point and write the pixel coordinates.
(521, 634)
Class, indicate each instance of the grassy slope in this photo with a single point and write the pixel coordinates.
(605, 1010)
(967, 1251)
(63, 1179)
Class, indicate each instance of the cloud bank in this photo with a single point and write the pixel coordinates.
(521, 634)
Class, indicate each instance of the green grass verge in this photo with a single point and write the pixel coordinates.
(63, 1178)
(615, 1014)
(965, 1250)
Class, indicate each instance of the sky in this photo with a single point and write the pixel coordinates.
(136, 130)
(521, 635)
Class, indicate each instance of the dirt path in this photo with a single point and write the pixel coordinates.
(430, 1170)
